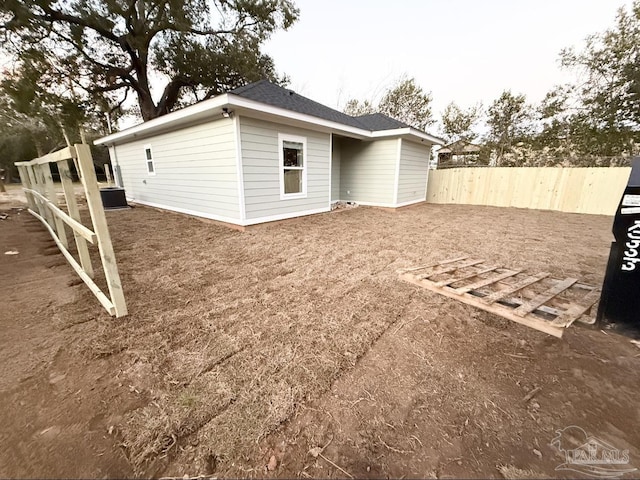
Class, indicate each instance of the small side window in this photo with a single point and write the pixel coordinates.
(293, 166)
(148, 155)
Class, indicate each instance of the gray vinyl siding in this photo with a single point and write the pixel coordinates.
(414, 166)
(367, 171)
(261, 169)
(195, 169)
(335, 170)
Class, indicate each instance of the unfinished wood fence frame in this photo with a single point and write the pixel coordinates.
(591, 190)
(37, 183)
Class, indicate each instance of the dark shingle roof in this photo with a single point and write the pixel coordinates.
(274, 95)
(379, 121)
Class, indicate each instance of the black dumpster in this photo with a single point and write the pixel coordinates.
(113, 198)
(620, 300)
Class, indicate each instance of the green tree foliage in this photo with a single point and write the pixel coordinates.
(405, 101)
(567, 131)
(33, 123)
(609, 67)
(105, 49)
(599, 114)
(509, 121)
(16, 145)
(29, 94)
(18, 136)
(356, 108)
(554, 134)
(458, 123)
(408, 102)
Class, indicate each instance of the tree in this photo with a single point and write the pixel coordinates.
(610, 67)
(599, 114)
(568, 134)
(113, 47)
(356, 108)
(404, 101)
(27, 97)
(34, 122)
(16, 145)
(458, 123)
(555, 123)
(509, 120)
(18, 136)
(407, 102)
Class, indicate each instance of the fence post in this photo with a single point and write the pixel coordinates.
(26, 183)
(92, 192)
(107, 173)
(74, 212)
(33, 180)
(44, 190)
(51, 194)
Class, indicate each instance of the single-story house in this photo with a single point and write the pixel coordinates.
(261, 153)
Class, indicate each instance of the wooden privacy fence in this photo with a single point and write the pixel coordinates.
(42, 198)
(594, 190)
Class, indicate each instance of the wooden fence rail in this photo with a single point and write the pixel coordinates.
(594, 190)
(42, 198)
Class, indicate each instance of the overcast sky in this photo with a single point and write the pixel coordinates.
(465, 51)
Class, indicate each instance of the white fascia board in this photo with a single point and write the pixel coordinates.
(229, 100)
(241, 102)
(408, 131)
(183, 115)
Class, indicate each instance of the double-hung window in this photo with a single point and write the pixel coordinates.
(148, 155)
(293, 166)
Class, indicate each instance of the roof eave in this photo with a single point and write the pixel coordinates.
(173, 119)
(408, 131)
(208, 107)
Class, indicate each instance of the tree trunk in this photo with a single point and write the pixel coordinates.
(171, 94)
(64, 133)
(38, 143)
(148, 108)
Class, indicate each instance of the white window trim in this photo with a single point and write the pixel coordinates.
(146, 161)
(282, 137)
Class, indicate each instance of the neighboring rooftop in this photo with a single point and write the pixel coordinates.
(266, 92)
(460, 147)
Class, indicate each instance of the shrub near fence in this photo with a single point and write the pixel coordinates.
(594, 190)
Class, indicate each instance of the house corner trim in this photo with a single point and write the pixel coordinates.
(397, 177)
(239, 169)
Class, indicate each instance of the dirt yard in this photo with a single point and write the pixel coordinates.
(294, 345)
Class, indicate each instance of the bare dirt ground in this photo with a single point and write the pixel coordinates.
(240, 347)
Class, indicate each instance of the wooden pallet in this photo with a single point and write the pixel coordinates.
(537, 301)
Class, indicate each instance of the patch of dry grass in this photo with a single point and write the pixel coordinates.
(230, 332)
(247, 379)
(514, 473)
